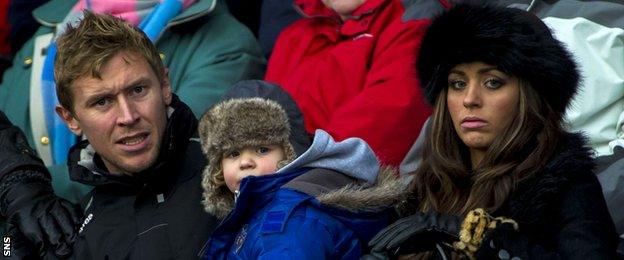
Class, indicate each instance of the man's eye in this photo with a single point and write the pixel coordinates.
(263, 150)
(138, 89)
(101, 102)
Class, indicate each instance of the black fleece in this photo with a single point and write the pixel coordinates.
(154, 215)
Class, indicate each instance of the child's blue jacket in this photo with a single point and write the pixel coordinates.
(302, 213)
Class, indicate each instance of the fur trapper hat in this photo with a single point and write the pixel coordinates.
(299, 138)
(236, 124)
(515, 41)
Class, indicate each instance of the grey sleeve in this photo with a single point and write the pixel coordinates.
(610, 173)
(414, 156)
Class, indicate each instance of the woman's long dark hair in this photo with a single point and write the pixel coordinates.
(445, 181)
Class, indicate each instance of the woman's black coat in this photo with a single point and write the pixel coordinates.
(560, 211)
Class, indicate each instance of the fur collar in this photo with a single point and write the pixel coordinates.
(528, 203)
(388, 190)
(331, 188)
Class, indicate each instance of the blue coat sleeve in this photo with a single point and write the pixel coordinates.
(309, 234)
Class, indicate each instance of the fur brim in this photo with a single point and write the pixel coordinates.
(513, 40)
(239, 123)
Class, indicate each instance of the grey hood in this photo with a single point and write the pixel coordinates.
(352, 157)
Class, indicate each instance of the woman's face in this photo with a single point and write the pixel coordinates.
(482, 102)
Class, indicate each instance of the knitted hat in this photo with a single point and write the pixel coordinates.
(515, 41)
(236, 124)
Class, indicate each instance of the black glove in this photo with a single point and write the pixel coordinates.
(18, 246)
(27, 199)
(47, 221)
(417, 233)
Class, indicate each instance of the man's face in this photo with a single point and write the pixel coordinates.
(123, 115)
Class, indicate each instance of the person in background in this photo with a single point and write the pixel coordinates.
(16, 26)
(500, 177)
(5, 46)
(348, 65)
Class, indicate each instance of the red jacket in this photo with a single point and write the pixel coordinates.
(5, 28)
(356, 78)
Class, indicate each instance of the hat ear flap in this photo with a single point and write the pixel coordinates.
(289, 154)
(203, 129)
(218, 200)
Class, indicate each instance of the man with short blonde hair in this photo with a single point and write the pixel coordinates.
(140, 153)
(84, 49)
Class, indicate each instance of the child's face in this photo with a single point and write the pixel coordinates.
(256, 161)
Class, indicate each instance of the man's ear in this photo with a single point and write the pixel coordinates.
(69, 119)
(166, 88)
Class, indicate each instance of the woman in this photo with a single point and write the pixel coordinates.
(497, 158)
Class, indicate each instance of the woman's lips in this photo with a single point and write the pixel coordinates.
(473, 123)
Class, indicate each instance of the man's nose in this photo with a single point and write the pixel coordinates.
(128, 114)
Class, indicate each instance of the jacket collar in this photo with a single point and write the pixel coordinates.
(181, 127)
(54, 11)
(330, 188)
(255, 193)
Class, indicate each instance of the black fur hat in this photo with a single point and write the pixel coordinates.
(515, 41)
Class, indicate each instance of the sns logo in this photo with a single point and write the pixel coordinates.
(6, 248)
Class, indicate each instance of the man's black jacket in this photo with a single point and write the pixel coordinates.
(156, 214)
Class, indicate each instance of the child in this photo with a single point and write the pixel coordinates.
(276, 206)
